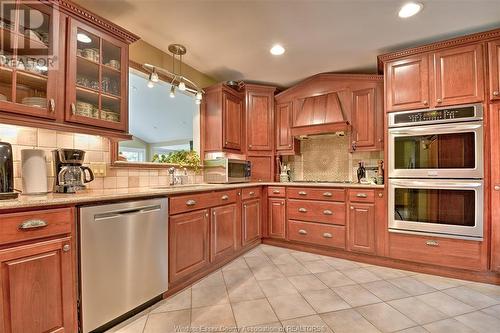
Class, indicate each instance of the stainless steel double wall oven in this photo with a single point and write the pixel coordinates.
(436, 171)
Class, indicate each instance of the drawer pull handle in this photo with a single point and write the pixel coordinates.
(302, 193)
(32, 224)
(225, 197)
(327, 235)
(276, 191)
(52, 105)
(251, 193)
(362, 195)
(327, 194)
(432, 243)
(73, 108)
(190, 203)
(327, 212)
(302, 232)
(302, 210)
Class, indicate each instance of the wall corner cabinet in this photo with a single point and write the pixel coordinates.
(49, 78)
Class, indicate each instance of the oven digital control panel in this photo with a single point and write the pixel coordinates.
(465, 113)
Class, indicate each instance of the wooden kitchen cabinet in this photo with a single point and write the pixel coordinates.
(97, 79)
(32, 72)
(259, 117)
(494, 69)
(362, 227)
(276, 217)
(495, 185)
(367, 119)
(262, 168)
(457, 76)
(222, 117)
(37, 288)
(251, 221)
(223, 240)
(189, 245)
(286, 144)
(407, 83)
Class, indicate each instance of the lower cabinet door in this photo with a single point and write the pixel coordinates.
(188, 243)
(223, 231)
(362, 227)
(250, 218)
(277, 217)
(37, 288)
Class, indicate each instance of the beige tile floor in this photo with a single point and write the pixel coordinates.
(271, 289)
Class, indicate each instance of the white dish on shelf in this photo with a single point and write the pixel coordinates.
(34, 101)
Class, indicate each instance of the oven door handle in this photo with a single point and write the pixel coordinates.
(431, 129)
(434, 184)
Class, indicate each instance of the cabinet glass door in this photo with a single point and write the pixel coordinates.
(28, 59)
(97, 72)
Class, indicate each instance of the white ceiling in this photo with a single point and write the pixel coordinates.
(154, 117)
(231, 39)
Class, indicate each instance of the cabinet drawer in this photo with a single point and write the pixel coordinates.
(316, 211)
(250, 193)
(440, 251)
(361, 195)
(190, 202)
(316, 193)
(276, 191)
(24, 226)
(315, 233)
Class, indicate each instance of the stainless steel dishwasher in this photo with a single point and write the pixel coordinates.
(123, 258)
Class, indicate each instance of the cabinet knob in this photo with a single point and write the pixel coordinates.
(225, 142)
(290, 146)
(251, 193)
(380, 195)
(432, 243)
(496, 93)
(66, 248)
(206, 214)
(302, 210)
(425, 102)
(282, 203)
(352, 208)
(439, 100)
(327, 235)
(302, 232)
(496, 187)
(249, 146)
(52, 105)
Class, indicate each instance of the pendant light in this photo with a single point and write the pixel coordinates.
(179, 81)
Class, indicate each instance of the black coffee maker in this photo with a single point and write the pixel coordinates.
(6, 172)
(70, 174)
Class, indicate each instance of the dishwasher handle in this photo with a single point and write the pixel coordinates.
(126, 212)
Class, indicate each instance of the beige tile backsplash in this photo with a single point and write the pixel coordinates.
(327, 157)
(97, 149)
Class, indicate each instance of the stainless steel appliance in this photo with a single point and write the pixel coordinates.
(124, 258)
(226, 170)
(6, 172)
(437, 143)
(436, 172)
(71, 175)
(450, 207)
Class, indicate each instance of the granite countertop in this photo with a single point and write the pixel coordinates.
(92, 196)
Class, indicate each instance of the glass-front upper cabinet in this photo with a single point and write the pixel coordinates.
(30, 59)
(96, 78)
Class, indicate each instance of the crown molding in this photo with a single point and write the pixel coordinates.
(457, 41)
(75, 10)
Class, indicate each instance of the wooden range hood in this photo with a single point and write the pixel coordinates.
(320, 114)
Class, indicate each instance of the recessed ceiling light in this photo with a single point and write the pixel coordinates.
(81, 37)
(409, 9)
(277, 49)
